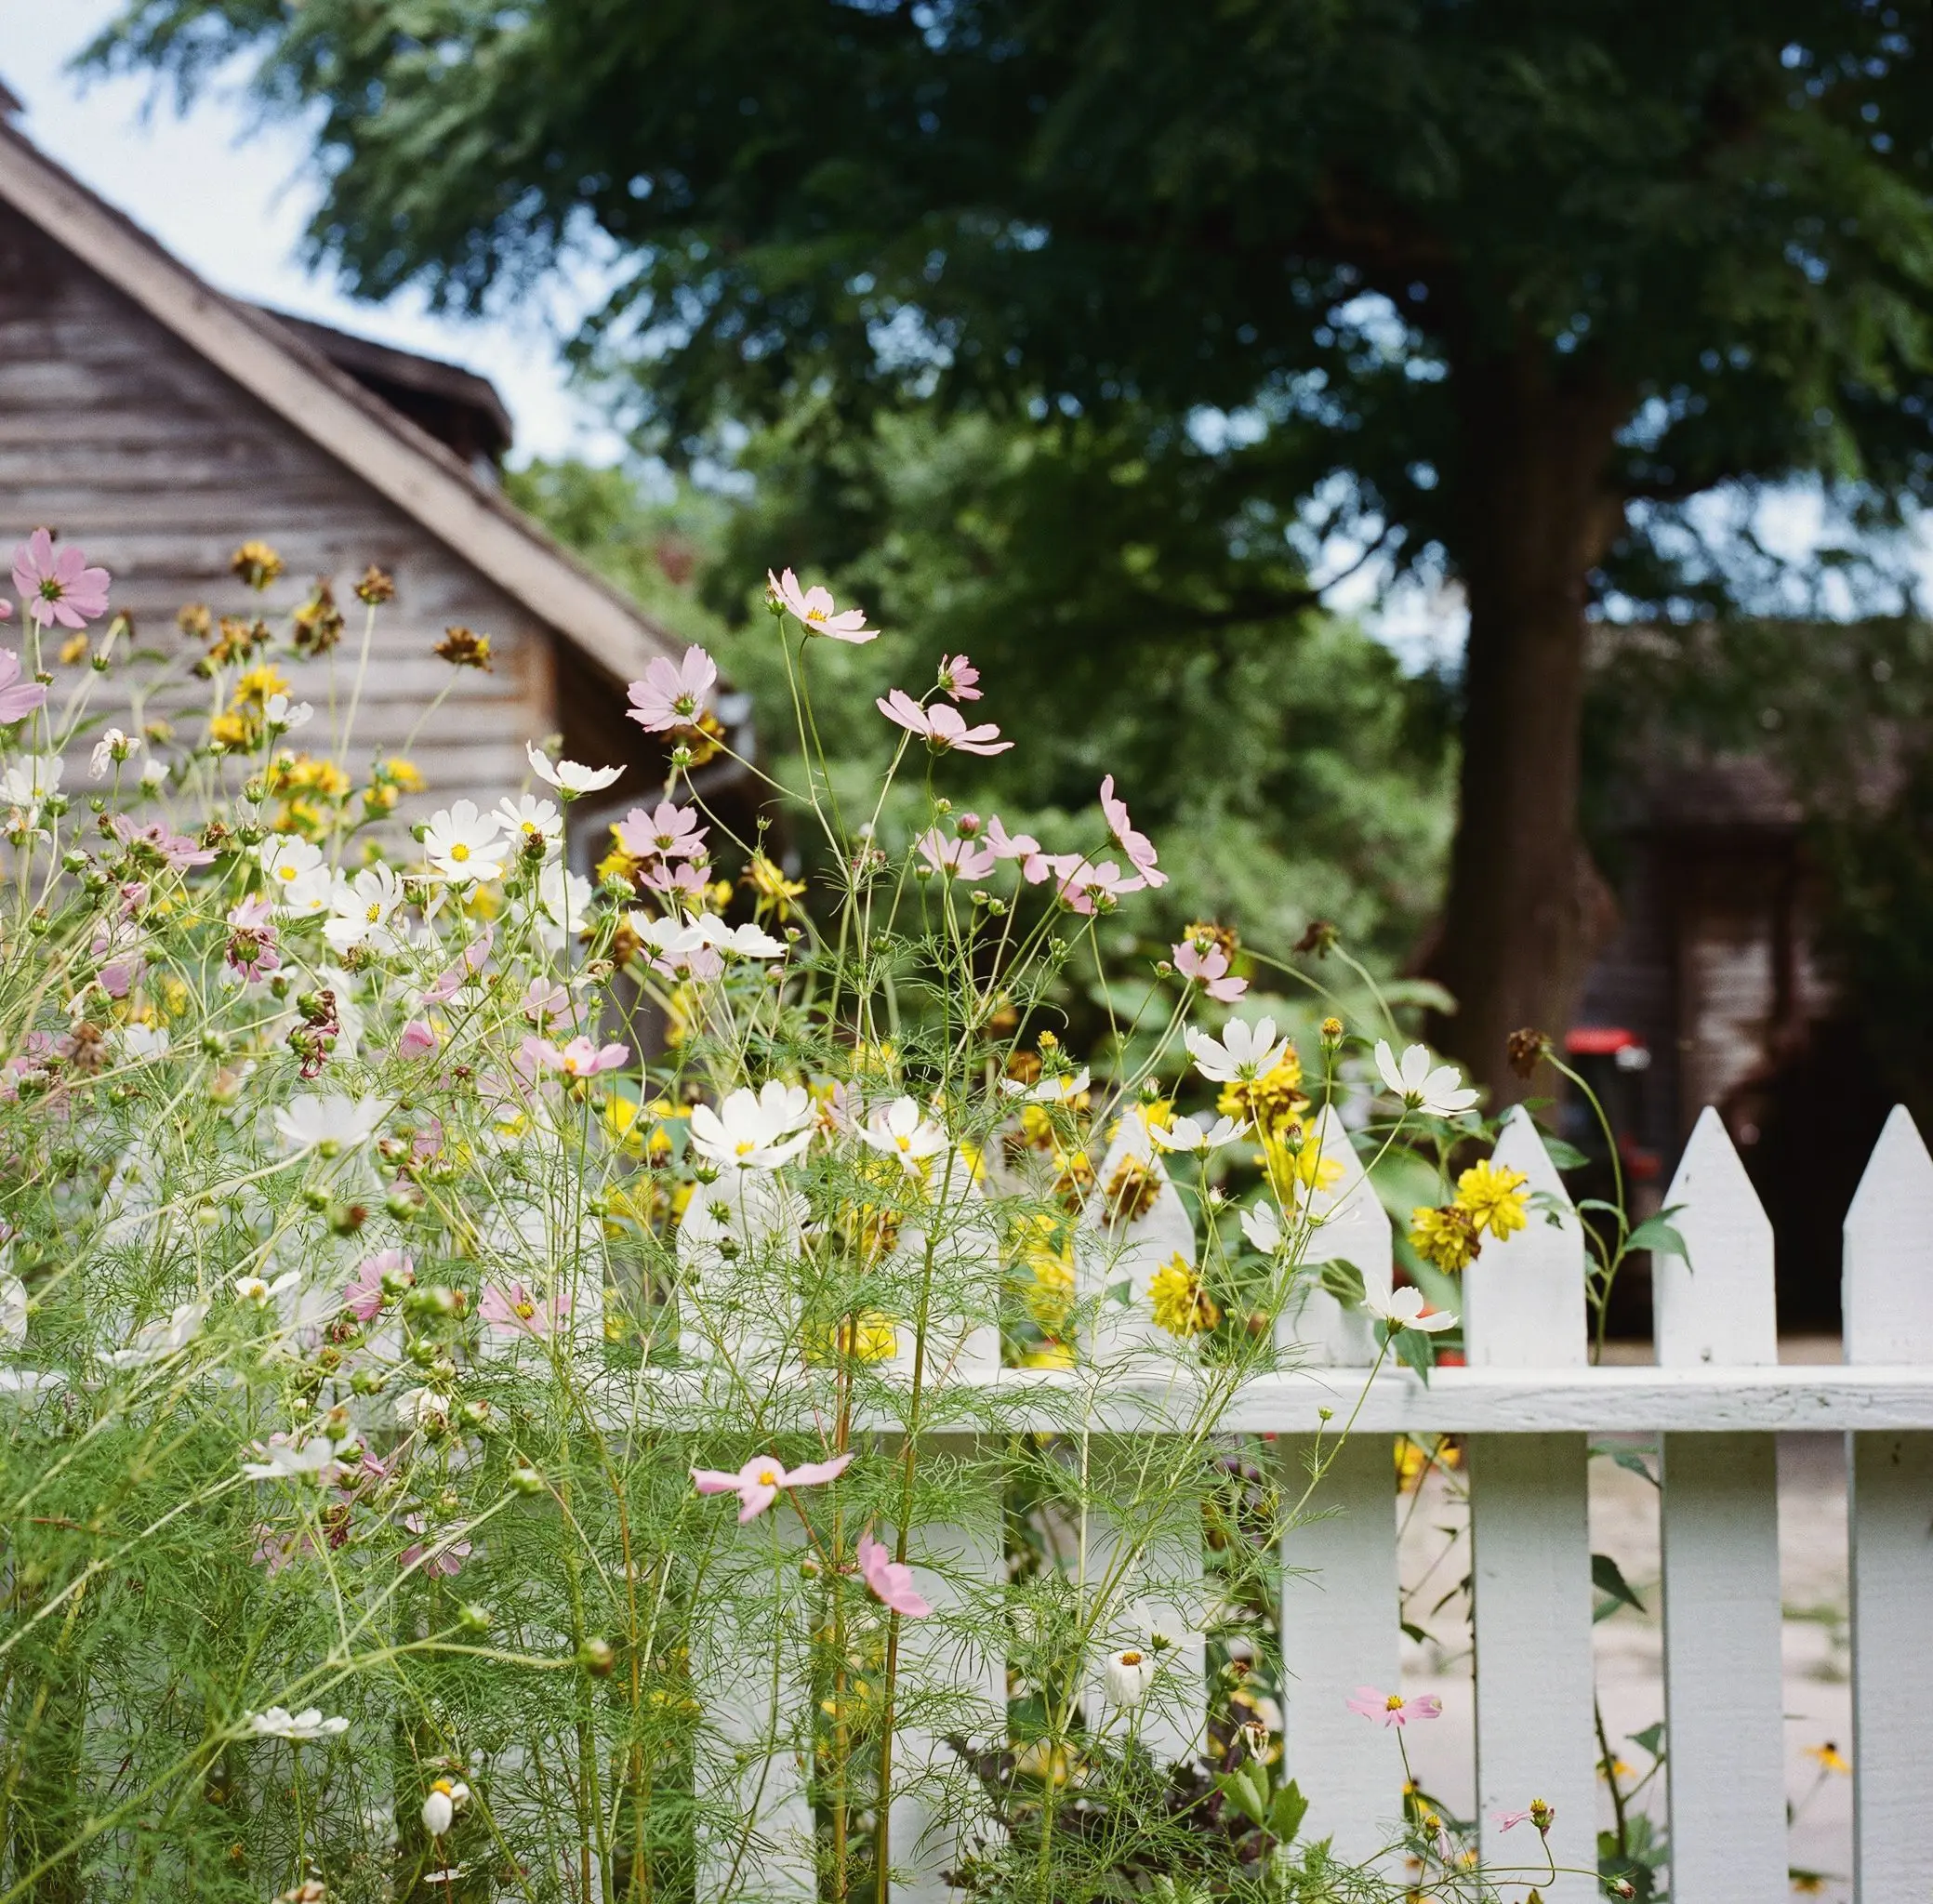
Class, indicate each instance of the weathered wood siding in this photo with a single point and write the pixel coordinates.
(118, 435)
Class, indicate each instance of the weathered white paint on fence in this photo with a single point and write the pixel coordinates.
(1723, 1716)
(1530, 1541)
(1888, 1300)
(1340, 1633)
(1349, 1225)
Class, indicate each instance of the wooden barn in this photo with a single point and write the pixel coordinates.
(158, 424)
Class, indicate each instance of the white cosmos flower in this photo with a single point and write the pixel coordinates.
(563, 900)
(30, 780)
(360, 909)
(1129, 1673)
(1056, 1089)
(754, 1133)
(1185, 1133)
(1403, 1309)
(900, 1131)
(462, 843)
(567, 776)
(1263, 1228)
(13, 1309)
(675, 939)
(440, 1807)
(314, 1460)
(142, 1042)
(1241, 1053)
(153, 774)
(112, 747)
(154, 1341)
(331, 1124)
(278, 712)
(528, 817)
(1422, 1085)
(300, 1728)
(299, 881)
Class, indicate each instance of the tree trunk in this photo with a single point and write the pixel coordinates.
(1526, 906)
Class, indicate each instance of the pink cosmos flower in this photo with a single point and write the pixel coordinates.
(515, 1310)
(363, 1295)
(6, 609)
(543, 998)
(416, 1039)
(942, 727)
(445, 1561)
(1209, 970)
(59, 587)
(580, 1058)
(956, 677)
(469, 961)
(251, 938)
(960, 859)
(1139, 848)
(673, 877)
(18, 698)
(1391, 1707)
(761, 1481)
(672, 694)
(1086, 888)
(671, 832)
(891, 1580)
(177, 849)
(1035, 865)
(817, 609)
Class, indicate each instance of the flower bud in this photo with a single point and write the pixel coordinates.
(473, 1618)
(526, 1480)
(596, 1657)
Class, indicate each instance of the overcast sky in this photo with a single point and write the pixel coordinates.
(231, 196)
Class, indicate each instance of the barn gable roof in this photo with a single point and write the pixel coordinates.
(291, 376)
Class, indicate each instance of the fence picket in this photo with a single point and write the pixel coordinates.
(1722, 1681)
(1530, 1540)
(1888, 1303)
(958, 1567)
(1127, 1235)
(1340, 1592)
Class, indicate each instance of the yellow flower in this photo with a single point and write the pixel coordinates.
(1270, 1103)
(1133, 1191)
(1829, 1758)
(252, 690)
(1180, 1305)
(1447, 1238)
(231, 730)
(1296, 1163)
(74, 649)
(255, 563)
(871, 1336)
(773, 892)
(1048, 1257)
(1496, 1198)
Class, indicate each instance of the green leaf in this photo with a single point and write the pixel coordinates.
(1608, 1576)
(1632, 1462)
(1415, 1631)
(1650, 1739)
(1659, 1236)
(1285, 1816)
(1417, 1350)
(1122, 1292)
(1246, 1789)
(1567, 1156)
(1344, 1281)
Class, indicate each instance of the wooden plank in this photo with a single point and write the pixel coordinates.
(1348, 1224)
(1888, 1302)
(959, 1569)
(1530, 1550)
(1530, 1541)
(1719, 1525)
(1717, 1307)
(1724, 1719)
(1339, 1615)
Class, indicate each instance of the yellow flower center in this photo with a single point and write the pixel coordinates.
(375, 911)
(1131, 1658)
(746, 1148)
(459, 853)
(286, 874)
(1394, 1703)
(526, 1310)
(768, 1478)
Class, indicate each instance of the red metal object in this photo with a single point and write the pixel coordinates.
(1598, 1040)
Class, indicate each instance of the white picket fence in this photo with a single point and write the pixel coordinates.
(1530, 1403)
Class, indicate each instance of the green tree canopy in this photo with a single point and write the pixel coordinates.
(1501, 288)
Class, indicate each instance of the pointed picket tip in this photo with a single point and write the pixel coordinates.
(1352, 1226)
(1524, 1298)
(1717, 1308)
(1888, 1252)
